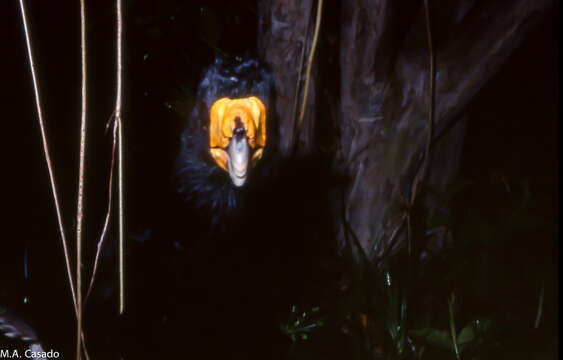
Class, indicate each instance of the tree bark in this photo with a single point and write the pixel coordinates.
(383, 92)
(284, 40)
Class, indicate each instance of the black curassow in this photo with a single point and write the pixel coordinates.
(234, 250)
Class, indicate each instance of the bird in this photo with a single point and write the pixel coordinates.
(241, 229)
(241, 86)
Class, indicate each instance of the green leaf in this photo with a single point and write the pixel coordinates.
(467, 334)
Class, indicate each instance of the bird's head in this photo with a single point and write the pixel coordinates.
(237, 135)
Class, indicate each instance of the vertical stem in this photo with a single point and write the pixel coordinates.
(47, 156)
(540, 306)
(451, 302)
(299, 75)
(120, 155)
(50, 169)
(108, 213)
(80, 206)
(309, 65)
(411, 259)
(431, 95)
(121, 242)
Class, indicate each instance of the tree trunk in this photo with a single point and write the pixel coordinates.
(383, 91)
(284, 40)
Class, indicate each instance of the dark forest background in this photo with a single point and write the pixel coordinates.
(500, 209)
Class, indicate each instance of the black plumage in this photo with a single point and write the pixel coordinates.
(200, 182)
